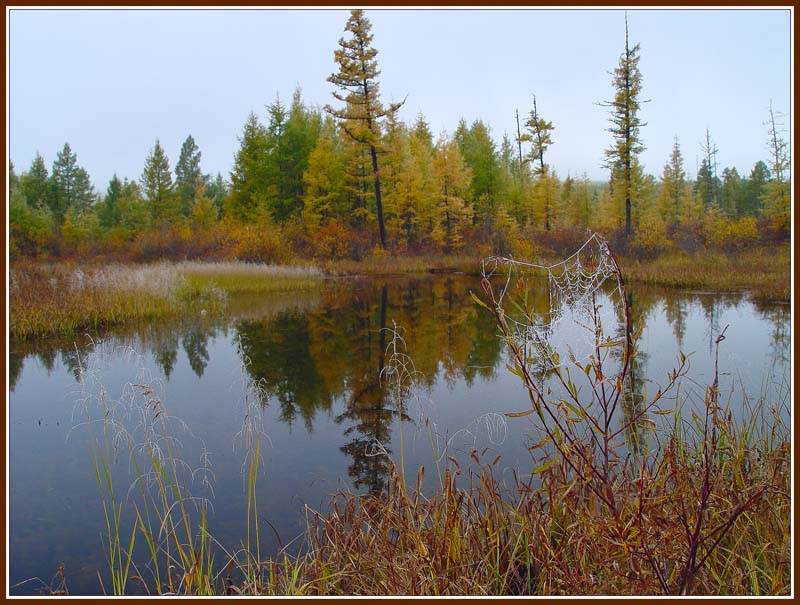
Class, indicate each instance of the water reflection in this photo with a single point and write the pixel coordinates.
(319, 356)
(337, 351)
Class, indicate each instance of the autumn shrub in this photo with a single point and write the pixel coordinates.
(206, 242)
(153, 245)
(649, 238)
(259, 242)
(686, 236)
(770, 232)
(735, 235)
(561, 241)
(30, 231)
(336, 240)
(728, 234)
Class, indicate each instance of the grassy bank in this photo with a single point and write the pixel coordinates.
(386, 265)
(50, 299)
(63, 299)
(764, 272)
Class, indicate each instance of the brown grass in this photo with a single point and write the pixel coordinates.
(765, 272)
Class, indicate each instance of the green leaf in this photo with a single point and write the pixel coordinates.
(544, 467)
(573, 409)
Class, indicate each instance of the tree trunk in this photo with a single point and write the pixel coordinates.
(378, 202)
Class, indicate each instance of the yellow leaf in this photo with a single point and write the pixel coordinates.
(518, 414)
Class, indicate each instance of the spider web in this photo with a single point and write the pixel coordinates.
(574, 287)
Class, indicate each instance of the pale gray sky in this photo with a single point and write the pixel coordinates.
(112, 81)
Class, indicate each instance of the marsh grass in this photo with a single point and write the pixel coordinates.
(63, 299)
(763, 272)
(389, 264)
(235, 277)
(157, 507)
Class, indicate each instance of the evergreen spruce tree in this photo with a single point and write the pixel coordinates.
(358, 89)
(71, 187)
(622, 156)
(35, 185)
(755, 188)
(248, 177)
(134, 212)
(216, 190)
(109, 212)
(291, 135)
(188, 176)
(479, 151)
(673, 180)
(777, 196)
(158, 189)
(538, 133)
(730, 192)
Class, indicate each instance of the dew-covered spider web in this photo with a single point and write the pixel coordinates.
(558, 308)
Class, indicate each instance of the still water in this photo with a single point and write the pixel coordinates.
(330, 422)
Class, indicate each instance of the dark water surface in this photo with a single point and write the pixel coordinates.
(327, 417)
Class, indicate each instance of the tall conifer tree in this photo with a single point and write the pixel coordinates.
(35, 184)
(71, 185)
(188, 176)
(157, 186)
(358, 89)
(248, 182)
(622, 156)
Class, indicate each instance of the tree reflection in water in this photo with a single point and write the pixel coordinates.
(338, 352)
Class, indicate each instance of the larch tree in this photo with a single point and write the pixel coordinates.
(204, 210)
(421, 148)
(358, 88)
(622, 156)
(324, 179)
(453, 181)
(188, 176)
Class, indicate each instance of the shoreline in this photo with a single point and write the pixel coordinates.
(58, 298)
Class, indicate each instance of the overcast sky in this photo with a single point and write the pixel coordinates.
(110, 82)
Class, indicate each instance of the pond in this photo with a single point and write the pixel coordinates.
(329, 422)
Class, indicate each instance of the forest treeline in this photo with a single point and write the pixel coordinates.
(354, 180)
